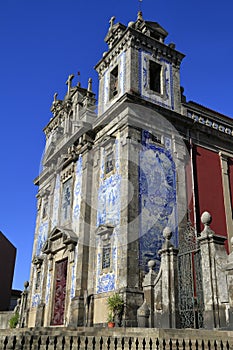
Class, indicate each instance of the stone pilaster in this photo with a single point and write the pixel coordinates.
(148, 289)
(23, 311)
(169, 282)
(78, 306)
(161, 290)
(227, 195)
(213, 258)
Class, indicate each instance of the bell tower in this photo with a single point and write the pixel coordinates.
(138, 160)
(139, 62)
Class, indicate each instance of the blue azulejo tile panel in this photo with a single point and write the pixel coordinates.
(157, 199)
(109, 201)
(77, 195)
(106, 283)
(42, 236)
(73, 274)
(56, 198)
(109, 206)
(38, 277)
(35, 300)
(48, 284)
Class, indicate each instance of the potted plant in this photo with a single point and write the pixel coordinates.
(111, 323)
(115, 305)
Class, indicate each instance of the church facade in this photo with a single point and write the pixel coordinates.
(115, 178)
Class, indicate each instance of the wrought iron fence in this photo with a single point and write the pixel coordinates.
(190, 280)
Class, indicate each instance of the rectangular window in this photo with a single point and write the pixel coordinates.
(113, 91)
(155, 77)
(109, 162)
(66, 201)
(154, 138)
(45, 210)
(106, 260)
(38, 280)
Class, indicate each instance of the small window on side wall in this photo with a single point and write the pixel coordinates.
(155, 77)
(38, 280)
(113, 91)
(109, 162)
(106, 256)
(45, 210)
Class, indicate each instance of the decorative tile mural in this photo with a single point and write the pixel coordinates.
(166, 99)
(157, 198)
(36, 293)
(77, 195)
(106, 281)
(56, 198)
(66, 201)
(35, 300)
(42, 236)
(73, 274)
(48, 284)
(109, 201)
(109, 204)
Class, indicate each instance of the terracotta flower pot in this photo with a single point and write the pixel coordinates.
(111, 324)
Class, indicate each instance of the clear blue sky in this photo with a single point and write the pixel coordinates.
(43, 41)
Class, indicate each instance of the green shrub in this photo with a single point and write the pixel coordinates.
(14, 320)
(115, 304)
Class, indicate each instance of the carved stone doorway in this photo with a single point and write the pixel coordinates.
(190, 280)
(60, 293)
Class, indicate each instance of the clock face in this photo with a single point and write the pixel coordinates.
(155, 80)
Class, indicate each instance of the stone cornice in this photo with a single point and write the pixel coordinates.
(158, 48)
(133, 38)
(222, 127)
(54, 122)
(108, 56)
(70, 154)
(208, 118)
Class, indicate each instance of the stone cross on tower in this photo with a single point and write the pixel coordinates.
(55, 97)
(112, 20)
(69, 82)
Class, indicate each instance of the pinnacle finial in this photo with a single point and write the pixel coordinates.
(206, 218)
(167, 233)
(89, 85)
(140, 18)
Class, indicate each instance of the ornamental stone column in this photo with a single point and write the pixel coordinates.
(169, 277)
(213, 259)
(145, 313)
(161, 290)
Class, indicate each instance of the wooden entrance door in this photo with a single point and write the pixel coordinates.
(60, 293)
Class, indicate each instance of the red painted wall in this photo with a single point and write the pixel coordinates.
(209, 189)
(230, 167)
